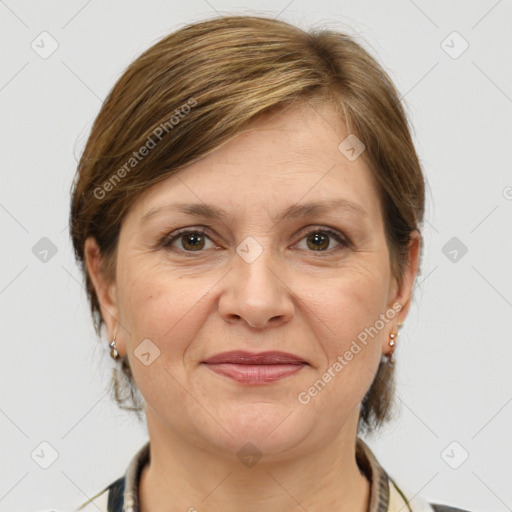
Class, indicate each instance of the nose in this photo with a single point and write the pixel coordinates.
(256, 294)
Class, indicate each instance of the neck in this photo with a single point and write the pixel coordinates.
(182, 476)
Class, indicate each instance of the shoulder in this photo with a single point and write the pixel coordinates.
(437, 507)
(399, 502)
(110, 499)
(125, 488)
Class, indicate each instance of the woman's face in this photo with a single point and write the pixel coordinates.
(267, 275)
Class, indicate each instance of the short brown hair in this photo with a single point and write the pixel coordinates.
(202, 85)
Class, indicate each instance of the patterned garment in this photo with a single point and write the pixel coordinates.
(385, 496)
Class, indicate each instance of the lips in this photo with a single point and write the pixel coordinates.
(255, 369)
(242, 357)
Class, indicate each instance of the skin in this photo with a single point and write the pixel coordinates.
(294, 297)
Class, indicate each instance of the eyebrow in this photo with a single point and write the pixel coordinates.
(292, 212)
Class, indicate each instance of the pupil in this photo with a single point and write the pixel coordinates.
(319, 240)
(193, 240)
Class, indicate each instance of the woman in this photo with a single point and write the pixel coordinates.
(247, 214)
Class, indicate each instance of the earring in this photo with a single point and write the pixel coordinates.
(114, 354)
(392, 344)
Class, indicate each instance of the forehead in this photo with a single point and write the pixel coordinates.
(279, 160)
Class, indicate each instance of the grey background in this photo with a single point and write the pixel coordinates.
(454, 352)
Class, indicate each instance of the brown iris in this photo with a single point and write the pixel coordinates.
(194, 240)
(321, 240)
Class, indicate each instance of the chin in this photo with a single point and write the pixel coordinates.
(269, 427)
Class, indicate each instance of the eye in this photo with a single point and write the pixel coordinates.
(192, 240)
(318, 239)
(195, 240)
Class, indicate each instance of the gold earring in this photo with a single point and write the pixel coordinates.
(114, 354)
(392, 344)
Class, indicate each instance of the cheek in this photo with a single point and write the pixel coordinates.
(166, 310)
(350, 301)
(159, 306)
(348, 309)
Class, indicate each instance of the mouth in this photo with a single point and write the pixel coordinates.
(255, 369)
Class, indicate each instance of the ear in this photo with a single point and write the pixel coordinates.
(105, 288)
(403, 290)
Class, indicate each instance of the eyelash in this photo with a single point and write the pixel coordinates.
(167, 240)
